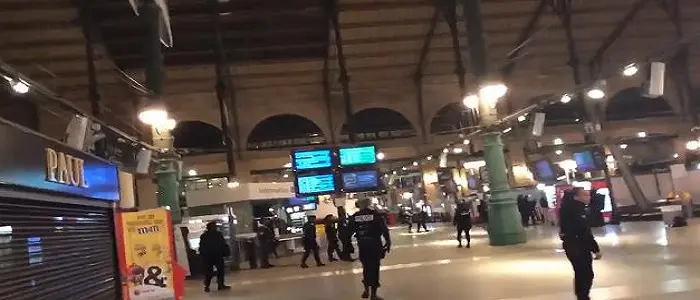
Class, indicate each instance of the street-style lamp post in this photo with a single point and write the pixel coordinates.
(504, 219)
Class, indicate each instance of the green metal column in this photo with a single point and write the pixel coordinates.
(504, 218)
(169, 187)
(166, 169)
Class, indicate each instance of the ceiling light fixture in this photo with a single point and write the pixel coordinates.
(19, 86)
(630, 70)
(566, 98)
(692, 145)
(597, 91)
(471, 101)
(457, 150)
(380, 155)
(154, 115)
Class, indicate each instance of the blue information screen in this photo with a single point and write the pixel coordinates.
(584, 161)
(312, 159)
(544, 170)
(362, 180)
(315, 184)
(364, 155)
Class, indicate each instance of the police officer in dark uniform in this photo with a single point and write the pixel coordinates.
(345, 235)
(463, 222)
(369, 228)
(579, 244)
(266, 236)
(332, 238)
(310, 243)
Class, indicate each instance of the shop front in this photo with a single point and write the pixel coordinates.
(56, 220)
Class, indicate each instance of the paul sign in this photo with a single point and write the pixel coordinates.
(65, 169)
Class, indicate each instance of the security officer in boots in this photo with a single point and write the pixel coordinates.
(463, 222)
(310, 243)
(579, 244)
(369, 228)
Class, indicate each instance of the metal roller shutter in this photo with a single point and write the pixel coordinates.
(56, 251)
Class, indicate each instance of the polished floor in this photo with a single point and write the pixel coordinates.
(642, 261)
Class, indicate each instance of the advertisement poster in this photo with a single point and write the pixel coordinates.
(147, 256)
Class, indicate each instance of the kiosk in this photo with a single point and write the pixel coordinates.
(57, 236)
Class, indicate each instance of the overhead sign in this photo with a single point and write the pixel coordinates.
(303, 160)
(315, 184)
(147, 256)
(360, 181)
(357, 156)
(32, 161)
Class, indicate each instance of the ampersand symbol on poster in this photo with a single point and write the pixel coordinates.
(153, 277)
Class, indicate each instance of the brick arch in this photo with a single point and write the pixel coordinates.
(450, 110)
(631, 104)
(404, 112)
(197, 134)
(296, 119)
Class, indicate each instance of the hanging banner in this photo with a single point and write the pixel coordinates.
(147, 256)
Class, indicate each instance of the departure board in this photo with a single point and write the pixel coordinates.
(312, 159)
(356, 156)
(315, 184)
(360, 181)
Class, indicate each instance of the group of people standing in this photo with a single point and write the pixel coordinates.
(419, 217)
(338, 232)
(533, 210)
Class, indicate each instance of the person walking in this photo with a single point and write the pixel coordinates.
(332, 238)
(369, 227)
(578, 241)
(463, 222)
(266, 236)
(310, 243)
(213, 249)
(345, 235)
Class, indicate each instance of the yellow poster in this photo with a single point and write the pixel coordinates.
(147, 255)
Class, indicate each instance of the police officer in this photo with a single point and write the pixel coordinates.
(332, 238)
(369, 228)
(579, 244)
(463, 222)
(266, 236)
(310, 243)
(345, 235)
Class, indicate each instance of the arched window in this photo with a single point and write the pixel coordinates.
(282, 131)
(373, 124)
(631, 104)
(452, 119)
(198, 136)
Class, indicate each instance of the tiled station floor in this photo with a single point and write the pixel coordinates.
(642, 261)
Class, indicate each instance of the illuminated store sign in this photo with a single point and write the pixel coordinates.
(32, 161)
(64, 168)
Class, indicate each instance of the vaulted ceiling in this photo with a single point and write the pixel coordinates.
(282, 43)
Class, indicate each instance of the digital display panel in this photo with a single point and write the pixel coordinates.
(545, 170)
(302, 200)
(360, 181)
(584, 161)
(315, 184)
(312, 159)
(355, 156)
